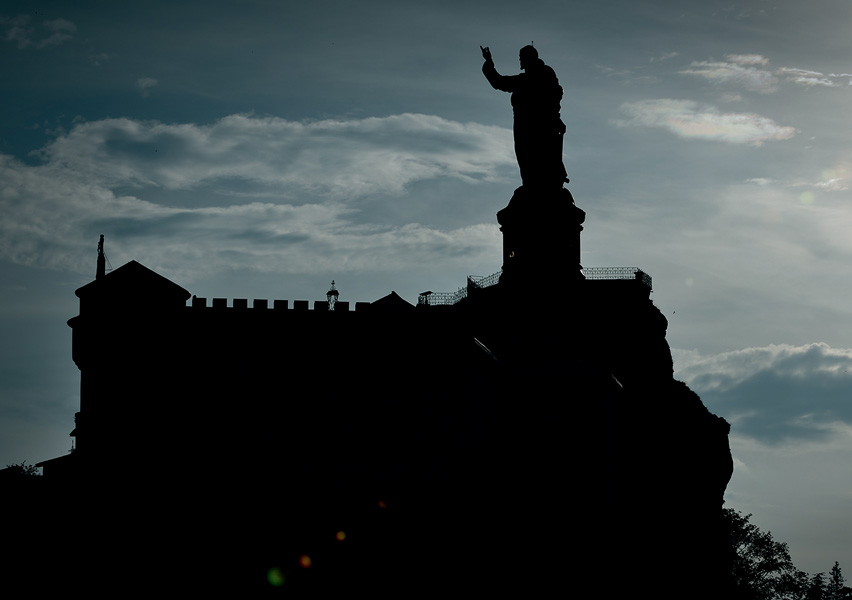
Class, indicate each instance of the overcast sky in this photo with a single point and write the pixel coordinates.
(261, 149)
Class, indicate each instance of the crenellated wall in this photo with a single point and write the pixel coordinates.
(260, 304)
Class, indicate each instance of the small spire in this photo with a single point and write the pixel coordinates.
(101, 259)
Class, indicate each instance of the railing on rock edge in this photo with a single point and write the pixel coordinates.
(445, 298)
(618, 273)
(478, 282)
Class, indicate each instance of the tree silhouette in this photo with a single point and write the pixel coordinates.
(834, 587)
(24, 469)
(816, 588)
(761, 568)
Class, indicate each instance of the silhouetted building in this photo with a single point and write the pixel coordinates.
(453, 439)
(487, 441)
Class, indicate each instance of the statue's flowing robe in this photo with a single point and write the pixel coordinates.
(536, 97)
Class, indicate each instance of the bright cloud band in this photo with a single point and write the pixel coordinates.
(689, 119)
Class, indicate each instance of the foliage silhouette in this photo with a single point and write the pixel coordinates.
(835, 588)
(816, 588)
(23, 468)
(761, 568)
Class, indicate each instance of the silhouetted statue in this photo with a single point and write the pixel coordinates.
(536, 95)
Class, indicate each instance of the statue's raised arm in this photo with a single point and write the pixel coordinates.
(504, 83)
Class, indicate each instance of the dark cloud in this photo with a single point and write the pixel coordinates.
(63, 30)
(341, 158)
(180, 193)
(164, 147)
(777, 394)
(153, 228)
(19, 31)
(281, 240)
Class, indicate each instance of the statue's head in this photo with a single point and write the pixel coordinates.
(528, 55)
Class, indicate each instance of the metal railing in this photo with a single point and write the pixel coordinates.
(484, 281)
(478, 282)
(618, 273)
(447, 298)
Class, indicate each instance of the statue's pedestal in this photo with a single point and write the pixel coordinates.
(541, 238)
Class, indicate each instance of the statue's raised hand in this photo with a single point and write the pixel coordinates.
(486, 53)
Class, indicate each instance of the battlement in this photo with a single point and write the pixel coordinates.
(262, 304)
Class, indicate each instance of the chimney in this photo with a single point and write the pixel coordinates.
(101, 259)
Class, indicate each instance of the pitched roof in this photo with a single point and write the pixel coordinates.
(134, 280)
(393, 302)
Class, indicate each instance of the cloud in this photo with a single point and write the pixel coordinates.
(99, 59)
(334, 158)
(835, 178)
(245, 190)
(664, 57)
(613, 72)
(748, 59)
(807, 78)
(692, 120)
(742, 71)
(144, 85)
(778, 393)
(19, 31)
(738, 71)
(62, 29)
(836, 184)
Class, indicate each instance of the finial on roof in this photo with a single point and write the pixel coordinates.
(101, 270)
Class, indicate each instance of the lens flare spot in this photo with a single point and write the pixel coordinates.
(305, 561)
(275, 577)
(806, 198)
(382, 504)
(689, 282)
(340, 536)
